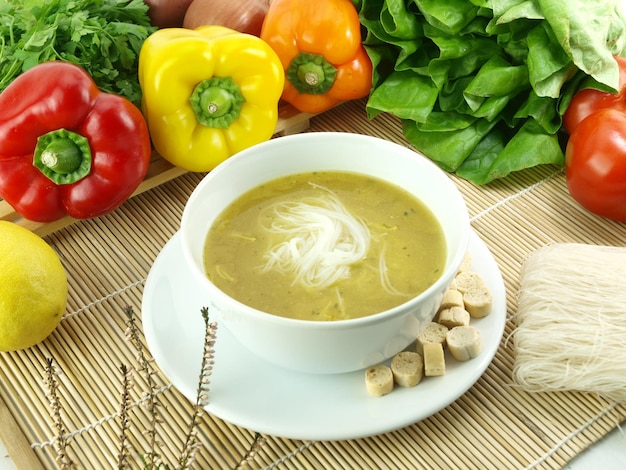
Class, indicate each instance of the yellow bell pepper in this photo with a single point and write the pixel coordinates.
(208, 93)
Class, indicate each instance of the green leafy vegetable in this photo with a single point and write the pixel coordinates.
(102, 36)
(481, 85)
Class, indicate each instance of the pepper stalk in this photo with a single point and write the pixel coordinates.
(63, 156)
(217, 102)
(311, 73)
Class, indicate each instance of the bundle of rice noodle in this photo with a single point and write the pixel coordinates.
(570, 328)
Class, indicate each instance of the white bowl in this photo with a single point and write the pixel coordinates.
(320, 346)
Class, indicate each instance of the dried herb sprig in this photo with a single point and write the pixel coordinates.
(255, 446)
(55, 405)
(151, 458)
(202, 397)
(127, 378)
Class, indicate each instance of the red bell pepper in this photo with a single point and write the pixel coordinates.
(66, 148)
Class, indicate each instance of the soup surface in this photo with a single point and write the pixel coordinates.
(325, 246)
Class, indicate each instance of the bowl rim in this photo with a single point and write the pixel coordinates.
(367, 320)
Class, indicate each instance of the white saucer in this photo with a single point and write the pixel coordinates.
(250, 392)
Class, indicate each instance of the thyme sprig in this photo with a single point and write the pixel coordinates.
(202, 398)
(150, 459)
(127, 378)
(256, 445)
(60, 445)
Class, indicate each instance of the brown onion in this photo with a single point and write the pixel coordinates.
(167, 13)
(245, 16)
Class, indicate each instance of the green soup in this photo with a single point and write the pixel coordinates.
(325, 246)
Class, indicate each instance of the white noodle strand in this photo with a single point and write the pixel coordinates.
(321, 240)
(570, 329)
(384, 276)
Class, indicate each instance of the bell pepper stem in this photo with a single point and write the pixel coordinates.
(217, 102)
(63, 156)
(311, 73)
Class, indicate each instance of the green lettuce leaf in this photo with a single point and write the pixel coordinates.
(481, 85)
(404, 94)
(530, 146)
(591, 32)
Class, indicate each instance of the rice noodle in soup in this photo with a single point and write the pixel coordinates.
(325, 246)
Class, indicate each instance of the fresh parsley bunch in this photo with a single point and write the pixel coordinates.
(102, 36)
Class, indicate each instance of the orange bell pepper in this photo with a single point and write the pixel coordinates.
(319, 45)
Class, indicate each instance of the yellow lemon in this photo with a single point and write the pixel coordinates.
(33, 288)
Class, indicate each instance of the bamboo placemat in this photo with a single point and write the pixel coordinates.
(493, 425)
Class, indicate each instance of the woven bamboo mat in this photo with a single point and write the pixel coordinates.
(493, 425)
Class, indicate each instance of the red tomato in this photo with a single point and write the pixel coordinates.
(595, 164)
(588, 101)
